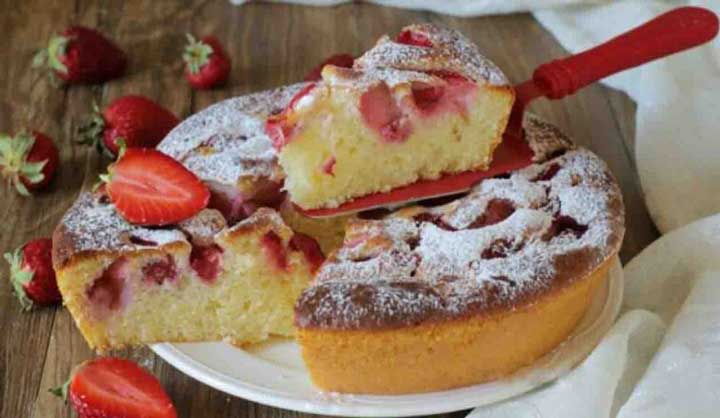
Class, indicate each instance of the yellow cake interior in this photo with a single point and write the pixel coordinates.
(333, 129)
(248, 301)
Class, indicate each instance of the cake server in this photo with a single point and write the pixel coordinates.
(677, 30)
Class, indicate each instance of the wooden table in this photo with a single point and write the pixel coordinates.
(270, 45)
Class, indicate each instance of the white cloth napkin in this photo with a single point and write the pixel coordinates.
(662, 356)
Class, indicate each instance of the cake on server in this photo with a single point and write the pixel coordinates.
(432, 298)
(411, 108)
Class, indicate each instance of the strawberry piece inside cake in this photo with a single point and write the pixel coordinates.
(416, 107)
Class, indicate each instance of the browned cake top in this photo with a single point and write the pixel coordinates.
(505, 243)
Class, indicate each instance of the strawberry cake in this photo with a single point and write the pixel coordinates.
(410, 108)
(233, 271)
(449, 293)
(436, 297)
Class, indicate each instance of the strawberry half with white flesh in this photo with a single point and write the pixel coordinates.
(115, 388)
(149, 188)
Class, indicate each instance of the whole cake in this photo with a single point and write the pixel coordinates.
(432, 298)
(409, 109)
(449, 293)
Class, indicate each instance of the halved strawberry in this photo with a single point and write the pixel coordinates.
(150, 188)
(116, 388)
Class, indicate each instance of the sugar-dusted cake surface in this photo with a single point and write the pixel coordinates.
(409, 109)
(430, 298)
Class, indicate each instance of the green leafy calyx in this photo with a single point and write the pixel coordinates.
(197, 54)
(14, 164)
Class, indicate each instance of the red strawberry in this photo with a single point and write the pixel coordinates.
(150, 188)
(207, 64)
(115, 388)
(137, 121)
(338, 60)
(32, 274)
(28, 161)
(409, 37)
(81, 55)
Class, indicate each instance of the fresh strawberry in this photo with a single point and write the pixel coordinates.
(32, 275)
(207, 64)
(115, 388)
(338, 60)
(150, 188)
(135, 120)
(81, 55)
(28, 160)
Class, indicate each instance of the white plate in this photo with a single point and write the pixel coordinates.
(273, 373)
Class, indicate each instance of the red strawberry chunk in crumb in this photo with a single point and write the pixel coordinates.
(310, 249)
(277, 126)
(108, 292)
(427, 97)
(452, 98)
(409, 37)
(207, 262)
(274, 250)
(381, 113)
(160, 270)
(497, 210)
(328, 167)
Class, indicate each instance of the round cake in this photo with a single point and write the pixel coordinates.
(436, 297)
(448, 293)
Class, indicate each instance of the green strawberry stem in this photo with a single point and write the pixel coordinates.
(61, 391)
(90, 132)
(13, 161)
(197, 54)
(50, 58)
(19, 278)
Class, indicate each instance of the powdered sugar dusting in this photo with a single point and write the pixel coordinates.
(227, 142)
(450, 51)
(454, 260)
(93, 224)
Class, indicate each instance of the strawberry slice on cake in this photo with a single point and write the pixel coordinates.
(424, 104)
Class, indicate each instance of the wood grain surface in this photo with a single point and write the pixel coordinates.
(270, 45)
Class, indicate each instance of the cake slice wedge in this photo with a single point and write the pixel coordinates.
(200, 280)
(415, 107)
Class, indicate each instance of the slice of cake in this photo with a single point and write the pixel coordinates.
(415, 107)
(198, 281)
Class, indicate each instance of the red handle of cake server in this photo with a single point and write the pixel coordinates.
(672, 32)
